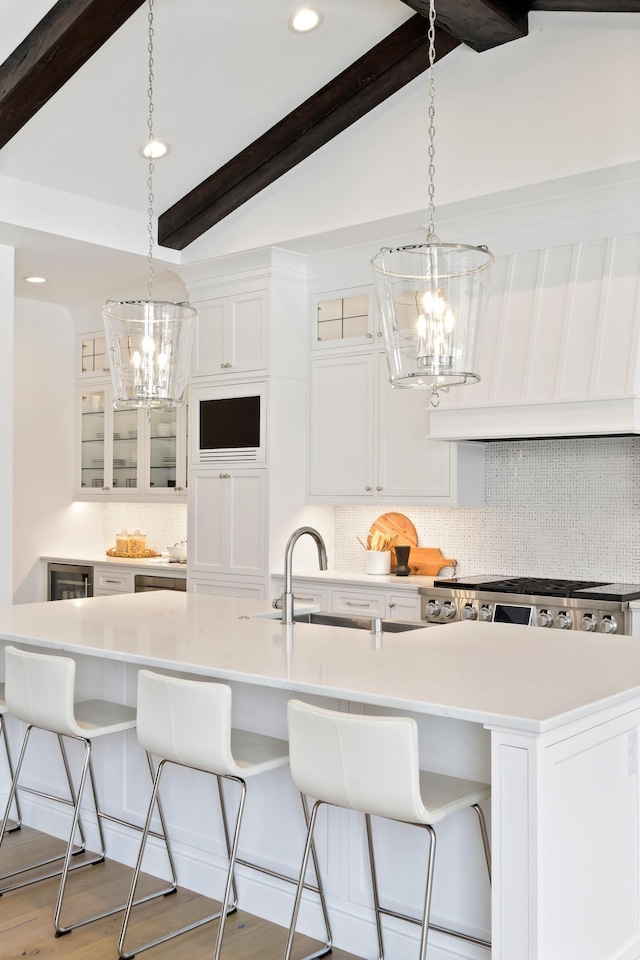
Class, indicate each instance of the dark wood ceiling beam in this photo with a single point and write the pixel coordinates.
(56, 48)
(481, 24)
(385, 69)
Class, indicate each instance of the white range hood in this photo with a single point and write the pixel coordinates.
(560, 349)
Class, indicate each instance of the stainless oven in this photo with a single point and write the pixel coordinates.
(591, 606)
(69, 581)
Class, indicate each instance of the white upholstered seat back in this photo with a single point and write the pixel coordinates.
(186, 721)
(39, 690)
(364, 763)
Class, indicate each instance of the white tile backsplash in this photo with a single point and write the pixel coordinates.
(555, 508)
(163, 523)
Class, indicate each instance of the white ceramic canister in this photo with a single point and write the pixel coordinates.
(377, 561)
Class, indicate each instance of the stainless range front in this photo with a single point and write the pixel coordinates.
(538, 602)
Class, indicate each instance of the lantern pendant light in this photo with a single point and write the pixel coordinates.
(149, 342)
(431, 296)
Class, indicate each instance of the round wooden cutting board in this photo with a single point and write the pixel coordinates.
(396, 524)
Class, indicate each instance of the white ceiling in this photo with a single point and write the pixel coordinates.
(73, 195)
(224, 74)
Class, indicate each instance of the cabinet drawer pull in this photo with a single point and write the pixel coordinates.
(304, 599)
(354, 603)
(225, 366)
(112, 581)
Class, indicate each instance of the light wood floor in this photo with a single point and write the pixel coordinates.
(26, 916)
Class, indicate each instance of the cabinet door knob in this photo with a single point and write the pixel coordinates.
(369, 336)
(368, 489)
(391, 605)
(225, 366)
(378, 489)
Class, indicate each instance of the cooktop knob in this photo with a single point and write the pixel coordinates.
(545, 618)
(563, 621)
(588, 622)
(469, 611)
(449, 609)
(608, 625)
(485, 612)
(433, 608)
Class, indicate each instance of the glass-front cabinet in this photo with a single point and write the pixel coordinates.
(130, 454)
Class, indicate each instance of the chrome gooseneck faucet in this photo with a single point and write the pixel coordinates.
(287, 596)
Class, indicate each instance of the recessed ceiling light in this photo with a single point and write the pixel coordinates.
(154, 149)
(35, 279)
(305, 19)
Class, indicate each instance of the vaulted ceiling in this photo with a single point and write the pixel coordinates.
(72, 31)
(243, 101)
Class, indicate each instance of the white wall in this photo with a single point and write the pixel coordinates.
(6, 406)
(45, 518)
(555, 508)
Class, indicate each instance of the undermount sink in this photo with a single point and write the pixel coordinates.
(356, 623)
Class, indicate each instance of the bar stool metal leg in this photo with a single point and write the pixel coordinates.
(3, 827)
(485, 837)
(300, 887)
(17, 823)
(131, 902)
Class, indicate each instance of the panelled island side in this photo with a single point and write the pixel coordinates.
(552, 720)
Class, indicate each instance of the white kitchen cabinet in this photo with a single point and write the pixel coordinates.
(344, 319)
(91, 356)
(401, 606)
(368, 441)
(227, 588)
(127, 455)
(231, 334)
(227, 529)
(107, 581)
(377, 600)
(356, 602)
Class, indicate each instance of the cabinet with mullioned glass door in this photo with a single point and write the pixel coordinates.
(129, 454)
(344, 319)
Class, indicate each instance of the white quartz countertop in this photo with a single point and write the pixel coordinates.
(147, 565)
(495, 674)
(360, 579)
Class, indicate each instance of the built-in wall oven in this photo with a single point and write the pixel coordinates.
(591, 606)
(69, 581)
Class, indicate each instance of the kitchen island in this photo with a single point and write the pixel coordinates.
(551, 719)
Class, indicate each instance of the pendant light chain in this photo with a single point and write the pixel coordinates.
(431, 35)
(151, 197)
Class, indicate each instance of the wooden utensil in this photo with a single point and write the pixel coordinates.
(398, 526)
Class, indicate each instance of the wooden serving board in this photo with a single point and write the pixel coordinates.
(428, 561)
(395, 524)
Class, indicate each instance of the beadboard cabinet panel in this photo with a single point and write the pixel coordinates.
(560, 349)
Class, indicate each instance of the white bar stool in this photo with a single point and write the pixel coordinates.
(15, 825)
(188, 723)
(39, 691)
(370, 764)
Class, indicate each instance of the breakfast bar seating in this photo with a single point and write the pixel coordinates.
(40, 692)
(370, 764)
(188, 723)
